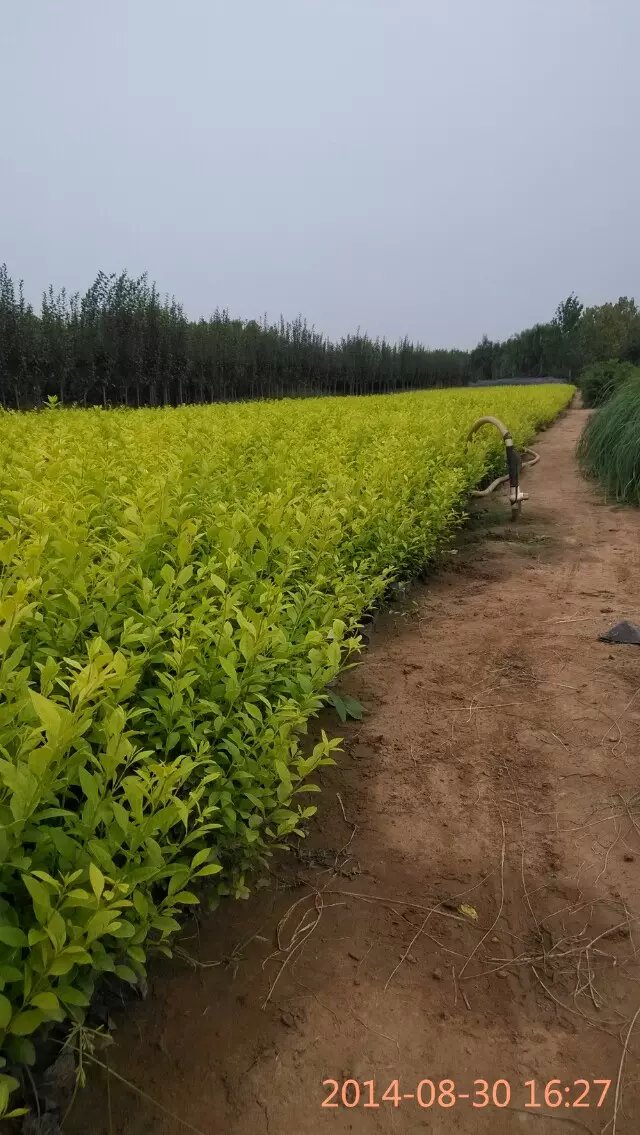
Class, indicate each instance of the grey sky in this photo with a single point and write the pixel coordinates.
(438, 168)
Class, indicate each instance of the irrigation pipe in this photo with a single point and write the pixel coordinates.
(535, 457)
(514, 464)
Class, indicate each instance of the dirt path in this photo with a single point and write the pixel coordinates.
(497, 765)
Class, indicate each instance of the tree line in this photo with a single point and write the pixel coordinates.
(575, 338)
(123, 343)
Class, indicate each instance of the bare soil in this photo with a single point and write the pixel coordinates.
(496, 766)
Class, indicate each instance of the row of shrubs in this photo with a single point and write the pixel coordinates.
(599, 382)
(177, 590)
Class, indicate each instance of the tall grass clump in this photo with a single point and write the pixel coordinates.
(609, 448)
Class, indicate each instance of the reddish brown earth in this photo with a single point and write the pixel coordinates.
(497, 765)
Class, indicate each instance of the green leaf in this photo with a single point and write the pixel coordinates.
(184, 575)
(45, 877)
(97, 879)
(210, 869)
(282, 771)
(12, 936)
(166, 924)
(48, 713)
(140, 903)
(26, 1023)
(345, 706)
(10, 974)
(57, 930)
(48, 1002)
(71, 996)
(9, 1083)
(4, 1095)
(61, 965)
(123, 929)
(187, 898)
(70, 957)
(39, 894)
(5, 1011)
(353, 707)
(102, 922)
(21, 1050)
(338, 705)
(227, 666)
(125, 973)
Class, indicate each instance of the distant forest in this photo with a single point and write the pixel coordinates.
(123, 343)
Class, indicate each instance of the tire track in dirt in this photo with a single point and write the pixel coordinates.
(491, 708)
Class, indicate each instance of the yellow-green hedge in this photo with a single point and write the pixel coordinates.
(177, 588)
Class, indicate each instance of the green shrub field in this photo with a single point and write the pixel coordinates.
(178, 587)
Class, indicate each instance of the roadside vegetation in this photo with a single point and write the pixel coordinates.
(600, 381)
(609, 449)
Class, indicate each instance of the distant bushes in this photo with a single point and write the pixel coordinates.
(600, 380)
(609, 448)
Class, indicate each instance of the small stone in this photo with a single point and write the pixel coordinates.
(495, 940)
(502, 973)
(412, 959)
(437, 974)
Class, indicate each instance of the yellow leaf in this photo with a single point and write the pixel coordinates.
(470, 911)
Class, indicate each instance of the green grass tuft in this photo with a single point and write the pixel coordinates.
(609, 448)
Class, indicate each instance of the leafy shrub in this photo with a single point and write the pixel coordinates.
(600, 380)
(609, 448)
(177, 589)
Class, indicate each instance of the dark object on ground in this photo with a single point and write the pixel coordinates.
(46, 1124)
(623, 633)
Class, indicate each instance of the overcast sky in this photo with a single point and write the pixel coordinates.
(436, 168)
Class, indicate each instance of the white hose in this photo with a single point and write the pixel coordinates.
(535, 457)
